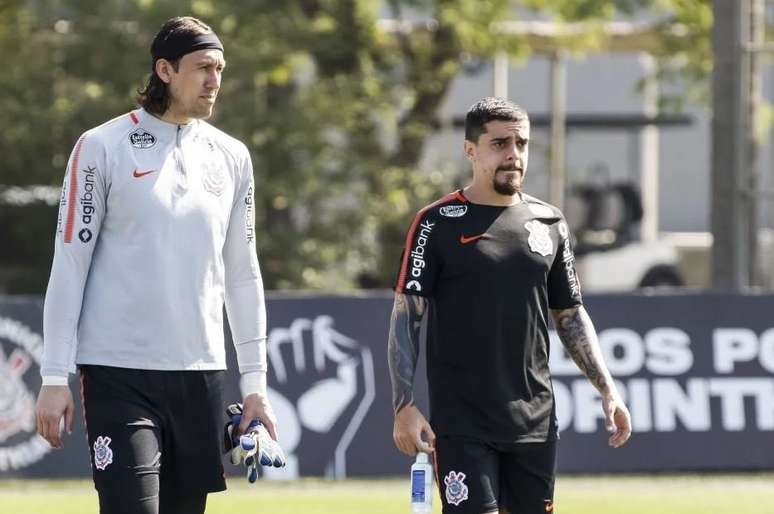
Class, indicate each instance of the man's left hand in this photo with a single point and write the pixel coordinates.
(257, 407)
(618, 421)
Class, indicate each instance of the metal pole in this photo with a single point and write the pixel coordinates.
(558, 129)
(649, 153)
(730, 257)
(754, 88)
(501, 66)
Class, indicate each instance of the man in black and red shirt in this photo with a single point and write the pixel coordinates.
(487, 265)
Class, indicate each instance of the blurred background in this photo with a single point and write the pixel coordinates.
(353, 112)
(651, 129)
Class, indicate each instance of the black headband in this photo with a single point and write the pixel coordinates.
(175, 44)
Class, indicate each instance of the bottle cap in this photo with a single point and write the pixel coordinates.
(422, 458)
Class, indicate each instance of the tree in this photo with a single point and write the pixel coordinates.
(335, 109)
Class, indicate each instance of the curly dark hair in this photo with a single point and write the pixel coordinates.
(488, 109)
(154, 97)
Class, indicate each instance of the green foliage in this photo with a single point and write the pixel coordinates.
(686, 59)
(607, 494)
(684, 55)
(334, 109)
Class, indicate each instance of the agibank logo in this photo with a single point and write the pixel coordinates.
(20, 352)
(87, 204)
(418, 252)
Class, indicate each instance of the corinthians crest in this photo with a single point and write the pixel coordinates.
(103, 455)
(16, 402)
(456, 490)
(539, 238)
(20, 352)
(213, 178)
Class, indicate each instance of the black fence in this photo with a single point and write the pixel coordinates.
(697, 371)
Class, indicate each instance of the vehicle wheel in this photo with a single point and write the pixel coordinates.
(662, 276)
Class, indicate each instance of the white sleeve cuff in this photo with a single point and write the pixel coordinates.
(253, 382)
(54, 380)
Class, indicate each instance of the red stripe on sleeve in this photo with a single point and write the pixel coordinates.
(72, 193)
(410, 236)
(135, 120)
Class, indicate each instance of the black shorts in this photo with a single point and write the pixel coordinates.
(152, 434)
(475, 476)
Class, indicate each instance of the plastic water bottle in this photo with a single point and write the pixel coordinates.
(421, 485)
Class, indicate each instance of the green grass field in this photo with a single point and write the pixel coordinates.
(673, 494)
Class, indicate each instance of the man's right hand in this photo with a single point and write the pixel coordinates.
(54, 402)
(407, 432)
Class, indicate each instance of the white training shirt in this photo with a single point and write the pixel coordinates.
(155, 233)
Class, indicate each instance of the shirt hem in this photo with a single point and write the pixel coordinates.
(488, 438)
(209, 366)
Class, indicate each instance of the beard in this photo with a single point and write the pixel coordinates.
(507, 184)
(200, 110)
(195, 109)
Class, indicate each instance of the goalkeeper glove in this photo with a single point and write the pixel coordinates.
(253, 447)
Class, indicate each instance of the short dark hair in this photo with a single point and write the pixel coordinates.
(154, 97)
(488, 109)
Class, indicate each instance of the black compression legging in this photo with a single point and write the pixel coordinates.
(183, 504)
(165, 503)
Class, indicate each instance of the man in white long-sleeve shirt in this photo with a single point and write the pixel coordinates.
(155, 234)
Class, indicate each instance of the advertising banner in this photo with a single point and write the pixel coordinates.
(697, 372)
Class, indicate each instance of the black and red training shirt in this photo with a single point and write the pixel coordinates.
(492, 273)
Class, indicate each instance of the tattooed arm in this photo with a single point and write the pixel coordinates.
(403, 353)
(403, 347)
(579, 338)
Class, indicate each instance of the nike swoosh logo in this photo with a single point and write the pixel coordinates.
(138, 174)
(465, 240)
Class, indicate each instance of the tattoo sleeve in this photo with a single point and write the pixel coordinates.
(579, 337)
(403, 347)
